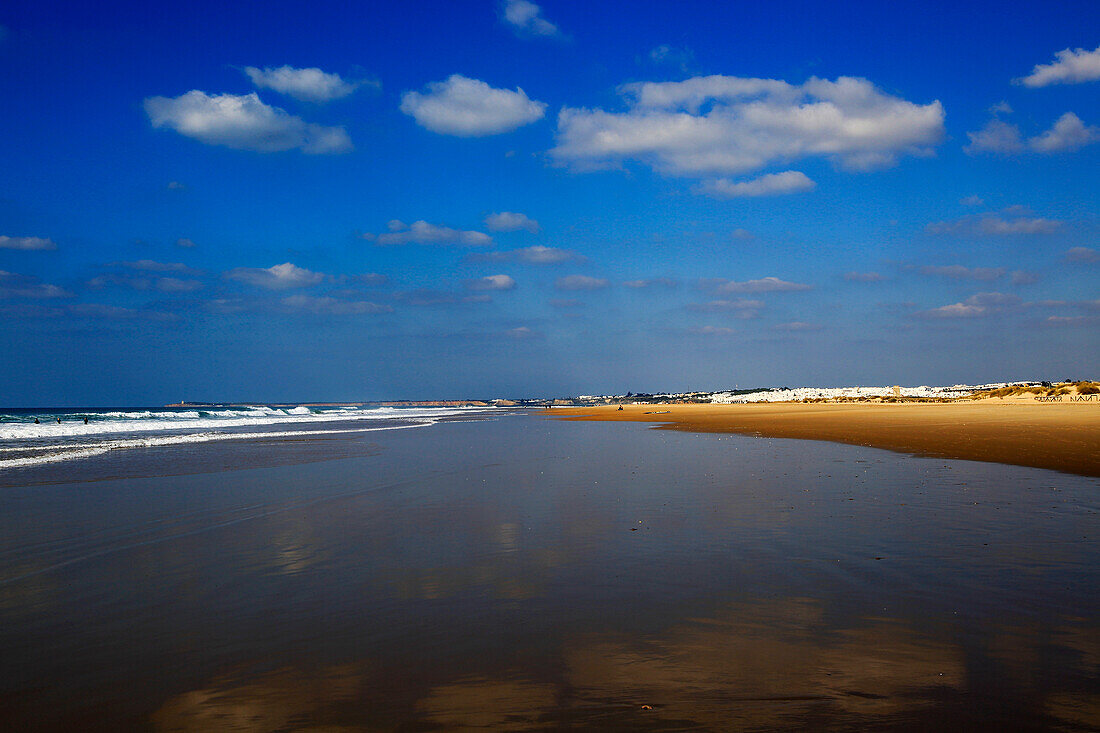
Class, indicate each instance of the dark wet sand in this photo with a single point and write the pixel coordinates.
(1058, 436)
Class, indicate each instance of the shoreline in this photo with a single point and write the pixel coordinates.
(1057, 436)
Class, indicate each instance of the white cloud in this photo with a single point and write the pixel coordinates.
(154, 266)
(510, 221)
(279, 277)
(27, 243)
(665, 54)
(580, 282)
(421, 232)
(655, 282)
(724, 124)
(994, 225)
(333, 306)
(13, 285)
(982, 304)
(740, 308)
(525, 17)
(997, 136)
(1023, 277)
(492, 282)
(176, 186)
(177, 285)
(535, 255)
(307, 85)
(712, 331)
(522, 332)
(185, 242)
(958, 272)
(1068, 133)
(771, 184)
(1082, 254)
(470, 108)
(1073, 66)
(798, 326)
(763, 285)
(243, 122)
(972, 200)
(863, 277)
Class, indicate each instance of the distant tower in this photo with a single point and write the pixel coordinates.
(897, 391)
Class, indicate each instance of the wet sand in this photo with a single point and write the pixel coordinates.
(1061, 436)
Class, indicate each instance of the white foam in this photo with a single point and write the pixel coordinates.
(140, 422)
(72, 451)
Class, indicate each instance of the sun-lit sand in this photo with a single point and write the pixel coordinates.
(1064, 436)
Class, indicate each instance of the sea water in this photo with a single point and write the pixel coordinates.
(504, 570)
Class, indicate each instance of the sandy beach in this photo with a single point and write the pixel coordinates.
(1063, 436)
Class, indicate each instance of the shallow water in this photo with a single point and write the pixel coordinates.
(522, 573)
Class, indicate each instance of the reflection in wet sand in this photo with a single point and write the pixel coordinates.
(281, 700)
(487, 704)
(770, 665)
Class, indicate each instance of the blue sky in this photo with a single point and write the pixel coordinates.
(457, 199)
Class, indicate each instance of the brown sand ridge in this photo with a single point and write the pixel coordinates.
(1063, 436)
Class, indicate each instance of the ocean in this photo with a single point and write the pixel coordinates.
(464, 569)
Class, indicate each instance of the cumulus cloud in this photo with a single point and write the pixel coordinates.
(163, 284)
(332, 306)
(306, 85)
(976, 306)
(1083, 254)
(771, 184)
(522, 332)
(740, 308)
(177, 285)
(26, 243)
(525, 18)
(243, 122)
(492, 282)
(14, 285)
(467, 107)
(510, 221)
(535, 255)
(998, 137)
(994, 225)
(654, 282)
(763, 285)
(278, 277)
(798, 326)
(1073, 66)
(421, 232)
(1023, 277)
(732, 125)
(958, 272)
(670, 55)
(154, 266)
(580, 282)
(863, 277)
(711, 331)
(1068, 133)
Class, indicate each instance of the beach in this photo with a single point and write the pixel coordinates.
(1062, 436)
(500, 570)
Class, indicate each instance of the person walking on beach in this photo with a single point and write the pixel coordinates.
(58, 421)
